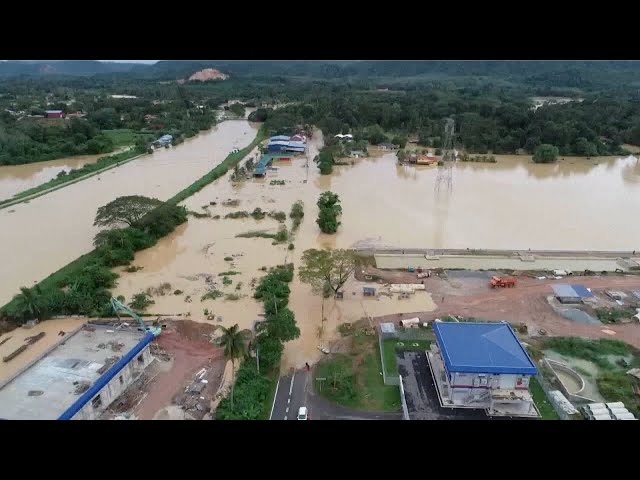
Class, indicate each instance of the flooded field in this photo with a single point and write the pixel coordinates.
(513, 204)
(43, 235)
(18, 178)
(198, 249)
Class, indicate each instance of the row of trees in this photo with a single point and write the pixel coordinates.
(487, 119)
(134, 223)
(181, 111)
(253, 379)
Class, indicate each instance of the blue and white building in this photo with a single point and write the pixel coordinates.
(279, 138)
(79, 376)
(296, 147)
(482, 365)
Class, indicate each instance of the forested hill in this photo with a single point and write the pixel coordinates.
(62, 67)
(579, 75)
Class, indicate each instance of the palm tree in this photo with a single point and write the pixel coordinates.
(28, 302)
(234, 342)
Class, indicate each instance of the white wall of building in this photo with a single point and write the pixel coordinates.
(116, 386)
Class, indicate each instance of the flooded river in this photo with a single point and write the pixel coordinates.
(48, 232)
(18, 178)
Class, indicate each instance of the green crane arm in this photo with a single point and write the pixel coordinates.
(120, 307)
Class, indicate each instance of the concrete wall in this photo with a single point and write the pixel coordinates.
(116, 386)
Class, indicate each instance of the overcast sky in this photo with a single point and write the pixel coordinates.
(131, 61)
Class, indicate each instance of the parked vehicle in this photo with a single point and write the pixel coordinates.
(502, 282)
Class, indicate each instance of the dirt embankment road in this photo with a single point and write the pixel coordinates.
(526, 303)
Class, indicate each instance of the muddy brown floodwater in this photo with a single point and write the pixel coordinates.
(43, 235)
(511, 204)
(18, 178)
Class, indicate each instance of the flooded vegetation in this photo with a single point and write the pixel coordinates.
(195, 258)
(67, 215)
(18, 178)
(206, 269)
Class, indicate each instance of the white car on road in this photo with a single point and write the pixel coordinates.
(302, 414)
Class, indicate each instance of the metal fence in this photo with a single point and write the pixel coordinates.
(405, 410)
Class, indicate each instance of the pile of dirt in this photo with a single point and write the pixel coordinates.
(194, 331)
(208, 74)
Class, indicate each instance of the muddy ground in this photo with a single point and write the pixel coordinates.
(182, 350)
(526, 303)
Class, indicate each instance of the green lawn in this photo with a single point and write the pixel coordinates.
(544, 406)
(391, 345)
(355, 379)
(124, 136)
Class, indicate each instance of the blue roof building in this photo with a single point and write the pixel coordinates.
(482, 365)
(282, 138)
(277, 146)
(260, 169)
(482, 348)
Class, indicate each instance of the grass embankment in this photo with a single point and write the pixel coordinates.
(540, 399)
(78, 173)
(268, 403)
(231, 161)
(101, 260)
(355, 379)
(613, 358)
(254, 390)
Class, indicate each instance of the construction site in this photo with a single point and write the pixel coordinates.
(110, 369)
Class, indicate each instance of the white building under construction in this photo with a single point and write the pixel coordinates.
(79, 377)
(484, 366)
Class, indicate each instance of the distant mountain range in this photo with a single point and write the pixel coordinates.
(579, 74)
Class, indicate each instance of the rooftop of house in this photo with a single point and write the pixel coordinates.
(478, 347)
(47, 387)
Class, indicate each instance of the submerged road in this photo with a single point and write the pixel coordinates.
(295, 390)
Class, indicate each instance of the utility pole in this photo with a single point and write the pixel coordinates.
(445, 172)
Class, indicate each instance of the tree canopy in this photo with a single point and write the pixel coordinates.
(545, 154)
(329, 205)
(125, 211)
(322, 268)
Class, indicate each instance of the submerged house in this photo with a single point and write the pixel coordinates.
(277, 145)
(261, 167)
(296, 147)
(279, 138)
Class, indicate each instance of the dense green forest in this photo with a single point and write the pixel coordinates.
(377, 101)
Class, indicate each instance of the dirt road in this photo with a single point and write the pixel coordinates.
(527, 304)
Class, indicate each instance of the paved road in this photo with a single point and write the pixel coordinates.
(296, 390)
(290, 396)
